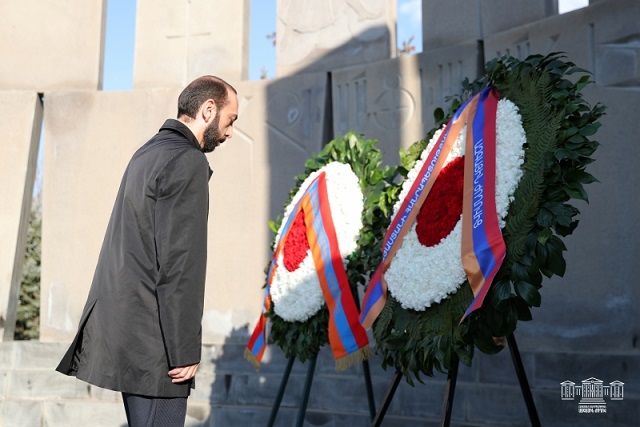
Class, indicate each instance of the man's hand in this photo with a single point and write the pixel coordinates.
(183, 373)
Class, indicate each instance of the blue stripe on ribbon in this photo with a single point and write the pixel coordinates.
(373, 297)
(257, 345)
(342, 324)
(481, 246)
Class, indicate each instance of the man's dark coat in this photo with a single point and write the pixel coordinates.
(144, 311)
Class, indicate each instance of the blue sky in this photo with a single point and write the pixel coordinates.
(120, 35)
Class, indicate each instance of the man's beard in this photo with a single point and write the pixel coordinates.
(211, 137)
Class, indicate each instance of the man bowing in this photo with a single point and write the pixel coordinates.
(140, 332)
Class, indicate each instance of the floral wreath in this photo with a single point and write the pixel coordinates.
(295, 291)
(298, 314)
(427, 268)
(419, 328)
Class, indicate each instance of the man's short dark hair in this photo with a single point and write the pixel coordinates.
(201, 89)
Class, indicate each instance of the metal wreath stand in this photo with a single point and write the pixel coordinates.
(450, 388)
(307, 389)
(378, 417)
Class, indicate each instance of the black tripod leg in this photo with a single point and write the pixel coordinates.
(377, 421)
(283, 386)
(450, 390)
(307, 390)
(367, 382)
(522, 378)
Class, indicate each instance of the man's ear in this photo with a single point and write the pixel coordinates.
(208, 110)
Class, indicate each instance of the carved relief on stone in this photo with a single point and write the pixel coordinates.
(309, 30)
(395, 106)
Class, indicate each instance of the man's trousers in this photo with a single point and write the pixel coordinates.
(143, 411)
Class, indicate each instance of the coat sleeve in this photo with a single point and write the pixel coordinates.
(181, 244)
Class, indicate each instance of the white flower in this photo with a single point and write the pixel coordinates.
(420, 276)
(297, 294)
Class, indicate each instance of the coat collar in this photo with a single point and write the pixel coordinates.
(178, 126)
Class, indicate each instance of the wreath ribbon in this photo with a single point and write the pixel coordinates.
(483, 248)
(347, 337)
(479, 266)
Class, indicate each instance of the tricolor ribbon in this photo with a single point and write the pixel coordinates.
(258, 341)
(376, 294)
(347, 338)
(483, 248)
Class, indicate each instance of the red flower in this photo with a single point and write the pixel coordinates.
(441, 210)
(296, 246)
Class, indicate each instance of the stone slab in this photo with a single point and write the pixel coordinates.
(38, 355)
(248, 416)
(198, 414)
(103, 394)
(450, 22)
(441, 74)
(498, 368)
(20, 413)
(380, 101)
(553, 368)
(3, 384)
(45, 384)
(556, 412)
(178, 41)
(7, 354)
(594, 307)
(84, 413)
(49, 45)
(21, 121)
(489, 405)
(603, 38)
(320, 36)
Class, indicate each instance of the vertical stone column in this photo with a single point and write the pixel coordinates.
(323, 35)
(180, 40)
(20, 121)
(54, 44)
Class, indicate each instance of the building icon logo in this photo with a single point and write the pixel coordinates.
(592, 393)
